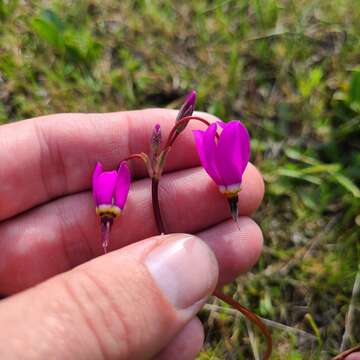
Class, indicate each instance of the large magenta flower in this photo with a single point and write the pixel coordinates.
(110, 191)
(226, 157)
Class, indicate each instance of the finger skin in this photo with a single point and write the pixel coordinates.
(236, 250)
(353, 356)
(186, 345)
(56, 155)
(56, 237)
(110, 307)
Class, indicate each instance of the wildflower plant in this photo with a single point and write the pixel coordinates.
(224, 152)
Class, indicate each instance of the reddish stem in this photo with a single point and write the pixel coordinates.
(183, 121)
(344, 354)
(156, 176)
(135, 156)
(251, 316)
(156, 205)
(160, 225)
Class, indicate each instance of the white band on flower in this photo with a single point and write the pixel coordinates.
(230, 189)
(109, 210)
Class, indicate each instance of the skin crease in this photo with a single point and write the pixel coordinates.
(50, 225)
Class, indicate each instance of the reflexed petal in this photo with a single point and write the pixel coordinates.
(245, 144)
(233, 152)
(122, 185)
(221, 124)
(206, 147)
(104, 187)
(97, 172)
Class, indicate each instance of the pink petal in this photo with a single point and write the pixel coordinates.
(104, 187)
(245, 143)
(97, 171)
(221, 124)
(206, 147)
(233, 152)
(122, 185)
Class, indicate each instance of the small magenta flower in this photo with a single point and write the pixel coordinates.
(226, 157)
(110, 191)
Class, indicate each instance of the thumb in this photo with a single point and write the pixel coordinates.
(128, 304)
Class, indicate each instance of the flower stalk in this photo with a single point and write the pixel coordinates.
(346, 353)
(224, 158)
(251, 316)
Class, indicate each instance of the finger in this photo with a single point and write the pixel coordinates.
(51, 156)
(186, 345)
(126, 305)
(60, 235)
(353, 356)
(236, 250)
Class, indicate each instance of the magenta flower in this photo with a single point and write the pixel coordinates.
(225, 158)
(110, 191)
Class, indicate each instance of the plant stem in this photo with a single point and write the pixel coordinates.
(173, 134)
(158, 171)
(251, 316)
(161, 229)
(344, 354)
(350, 316)
(156, 205)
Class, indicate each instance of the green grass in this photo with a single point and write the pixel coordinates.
(289, 69)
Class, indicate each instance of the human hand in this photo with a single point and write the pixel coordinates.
(353, 356)
(139, 301)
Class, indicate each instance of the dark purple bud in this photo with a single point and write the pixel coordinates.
(186, 110)
(155, 141)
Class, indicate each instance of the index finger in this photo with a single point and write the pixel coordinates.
(52, 156)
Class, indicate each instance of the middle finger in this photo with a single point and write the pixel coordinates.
(64, 233)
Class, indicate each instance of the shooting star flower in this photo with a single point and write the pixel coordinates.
(110, 191)
(225, 157)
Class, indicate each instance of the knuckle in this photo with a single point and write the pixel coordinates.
(100, 314)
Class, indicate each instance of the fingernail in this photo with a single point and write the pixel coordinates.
(184, 268)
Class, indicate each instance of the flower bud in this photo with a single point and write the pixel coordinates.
(155, 142)
(186, 110)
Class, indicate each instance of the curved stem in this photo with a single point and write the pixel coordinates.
(135, 156)
(144, 158)
(160, 226)
(251, 316)
(344, 354)
(173, 134)
(157, 173)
